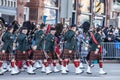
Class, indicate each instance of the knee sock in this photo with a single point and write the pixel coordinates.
(1, 64)
(65, 63)
(101, 64)
(76, 64)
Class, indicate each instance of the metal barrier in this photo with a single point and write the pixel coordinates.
(111, 50)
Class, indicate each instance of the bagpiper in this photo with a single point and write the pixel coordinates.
(22, 51)
(38, 53)
(96, 51)
(7, 50)
(71, 50)
(49, 52)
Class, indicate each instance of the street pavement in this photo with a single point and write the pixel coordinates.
(112, 69)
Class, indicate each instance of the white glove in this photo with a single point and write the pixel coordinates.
(97, 50)
(3, 51)
(34, 47)
(70, 51)
(23, 52)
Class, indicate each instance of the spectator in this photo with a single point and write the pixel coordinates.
(110, 37)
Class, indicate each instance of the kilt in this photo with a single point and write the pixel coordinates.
(38, 55)
(73, 55)
(52, 55)
(20, 56)
(94, 56)
(6, 56)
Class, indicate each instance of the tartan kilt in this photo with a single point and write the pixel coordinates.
(38, 55)
(20, 56)
(72, 56)
(52, 55)
(4, 56)
(94, 56)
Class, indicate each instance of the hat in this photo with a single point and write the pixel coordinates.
(111, 31)
(52, 28)
(42, 25)
(98, 29)
(9, 27)
(73, 25)
(24, 28)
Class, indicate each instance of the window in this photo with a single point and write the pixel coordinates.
(50, 15)
(5, 2)
(11, 3)
(8, 3)
(51, 3)
(74, 4)
(2, 2)
(14, 4)
(84, 6)
(116, 1)
(83, 18)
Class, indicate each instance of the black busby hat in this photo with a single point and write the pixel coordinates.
(111, 31)
(42, 25)
(9, 27)
(98, 29)
(24, 28)
(52, 29)
(73, 25)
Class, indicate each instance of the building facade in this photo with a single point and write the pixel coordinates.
(93, 11)
(97, 12)
(114, 13)
(8, 10)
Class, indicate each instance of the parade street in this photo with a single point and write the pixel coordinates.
(112, 69)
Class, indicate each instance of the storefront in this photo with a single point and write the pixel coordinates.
(51, 11)
(8, 10)
(84, 11)
(92, 11)
(100, 14)
(115, 14)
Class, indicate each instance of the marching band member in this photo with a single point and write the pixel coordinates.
(50, 51)
(71, 50)
(22, 51)
(96, 51)
(39, 45)
(7, 50)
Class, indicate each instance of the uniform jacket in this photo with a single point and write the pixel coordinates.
(70, 40)
(93, 45)
(39, 39)
(50, 42)
(23, 43)
(8, 40)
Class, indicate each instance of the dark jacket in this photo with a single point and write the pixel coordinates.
(39, 39)
(93, 45)
(23, 43)
(50, 42)
(8, 40)
(70, 40)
